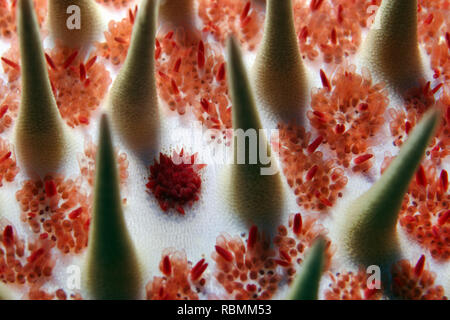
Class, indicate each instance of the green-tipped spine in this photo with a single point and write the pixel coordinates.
(391, 48)
(40, 135)
(112, 268)
(279, 75)
(257, 197)
(306, 284)
(133, 100)
(369, 223)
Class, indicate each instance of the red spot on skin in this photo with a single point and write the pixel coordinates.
(245, 11)
(221, 72)
(8, 236)
(3, 110)
(436, 89)
(252, 237)
(50, 188)
(303, 34)
(120, 40)
(201, 55)
(333, 36)
(447, 39)
(175, 89)
(131, 16)
(43, 236)
(363, 106)
(35, 255)
(50, 62)
(340, 128)
(325, 82)
(312, 172)
(166, 266)
(315, 4)
(444, 218)
(177, 65)
(297, 225)
(340, 13)
(205, 104)
(6, 156)
(82, 72)
(368, 293)
(91, 62)
(429, 19)
(180, 210)
(407, 127)
(224, 253)
(315, 144)
(70, 59)
(418, 269)
(282, 262)
(363, 158)
(421, 178)
(83, 119)
(444, 180)
(75, 213)
(251, 287)
(326, 202)
(285, 255)
(169, 35)
(11, 63)
(198, 270)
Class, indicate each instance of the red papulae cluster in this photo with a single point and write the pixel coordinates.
(180, 280)
(331, 30)
(175, 181)
(414, 282)
(254, 270)
(232, 17)
(57, 209)
(347, 112)
(317, 182)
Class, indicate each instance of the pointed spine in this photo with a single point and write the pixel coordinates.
(133, 100)
(5, 293)
(40, 133)
(391, 49)
(280, 78)
(306, 284)
(255, 196)
(64, 16)
(112, 267)
(369, 223)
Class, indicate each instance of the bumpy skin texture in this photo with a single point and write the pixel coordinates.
(257, 198)
(306, 285)
(74, 38)
(40, 134)
(391, 48)
(368, 227)
(112, 268)
(133, 100)
(280, 78)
